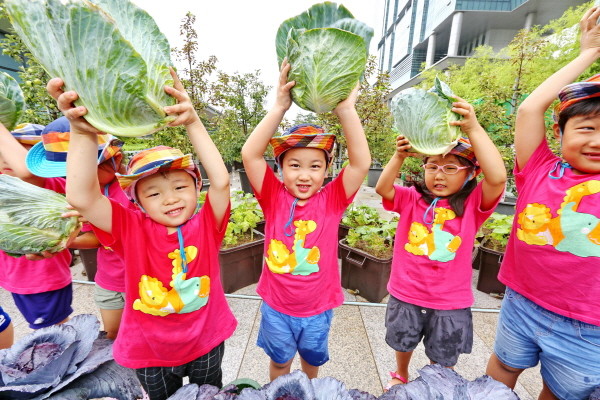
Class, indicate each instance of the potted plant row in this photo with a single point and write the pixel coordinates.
(494, 235)
(367, 258)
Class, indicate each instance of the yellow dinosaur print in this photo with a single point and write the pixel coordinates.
(537, 225)
(185, 295)
(420, 240)
(300, 261)
(436, 244)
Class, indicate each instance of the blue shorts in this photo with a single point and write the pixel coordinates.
(46, 308)
(281, 335)
(568, 350)
(4, 320)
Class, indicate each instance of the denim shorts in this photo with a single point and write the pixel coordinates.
(446, 334)
(4, 320)
(568, 349)
(109, 299)
(281, 335)
(46, 308)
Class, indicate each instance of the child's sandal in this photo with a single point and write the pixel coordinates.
(396, 376)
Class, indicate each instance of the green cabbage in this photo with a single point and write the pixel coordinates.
(109, 51)
(327, 49)
(423, 117)
(30, 218)
(11, 101)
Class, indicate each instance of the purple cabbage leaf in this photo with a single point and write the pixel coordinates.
(292, 386)
(329, 388)
(360, 395)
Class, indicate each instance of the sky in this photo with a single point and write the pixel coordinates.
(241, 33)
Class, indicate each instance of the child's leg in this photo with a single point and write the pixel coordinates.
(402, 362)
(111, 305)
(277, 369)
(161, 382)
(310, 370)
(47, 308)
(313, 342)
(502, 372)
(7, 333)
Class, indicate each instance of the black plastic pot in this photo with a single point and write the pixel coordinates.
(244, 182)
(507, 206)
(89, 258)
(364, 273)
(241, 265)
(373, 177)
(489, 266)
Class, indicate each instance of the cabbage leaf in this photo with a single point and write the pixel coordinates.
(327, 50)
(30, 218)
(109, 51)
(12, 102)
(424, 117)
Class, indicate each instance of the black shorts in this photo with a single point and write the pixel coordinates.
(446, 333)
(161, 382)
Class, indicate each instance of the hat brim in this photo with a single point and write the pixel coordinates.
(38, 164)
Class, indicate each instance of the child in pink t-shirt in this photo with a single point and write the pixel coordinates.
(41, 287)
(51, 161)
(176, 317)
(430, 282)
(300, 282)
(551, 267)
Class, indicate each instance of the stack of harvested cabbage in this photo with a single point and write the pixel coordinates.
(30, 218)
(327, 49)
(424, 117)
(109, 51)
(11, 101)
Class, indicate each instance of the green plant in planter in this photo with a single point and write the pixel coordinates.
(376, 239)
(245, 215)
(495, 231)
(356, 216)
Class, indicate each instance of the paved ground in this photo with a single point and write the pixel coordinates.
(359, 355)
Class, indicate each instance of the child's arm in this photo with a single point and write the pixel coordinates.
(205, 149)
(257, 142)
(530, 128)
(487, 154)
(83, 189)
(385, 184)
(13, 154)
(359, 157)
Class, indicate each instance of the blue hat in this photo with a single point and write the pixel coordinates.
(48, 158)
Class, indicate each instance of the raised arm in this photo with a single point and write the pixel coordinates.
(530, 129)
(257, 142)
(385, 184)
(359, 157)
(13, 154)
(83, 189)
(205, 149)
(487, 154)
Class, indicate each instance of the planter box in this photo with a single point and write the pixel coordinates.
(244, 182)
(489, 266)
(365, 273)
(373, 177)
(241, 265)
(342, 233)
(89, 258)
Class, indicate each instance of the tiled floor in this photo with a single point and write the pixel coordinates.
(359, 355)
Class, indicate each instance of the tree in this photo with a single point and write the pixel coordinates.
(41, 107)
(241, 97)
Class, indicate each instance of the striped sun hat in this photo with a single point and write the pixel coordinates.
(28, 133)
(304, 135)
(48, 158)
(464, 149)
(151, 161)
(576, 92)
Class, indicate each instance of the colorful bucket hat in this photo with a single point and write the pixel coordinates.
(464, 149)
(151, 161)
(576, 92)
(304, 135)
(28, 133)
(48, 158)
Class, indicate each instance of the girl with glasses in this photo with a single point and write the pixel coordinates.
(430, 284)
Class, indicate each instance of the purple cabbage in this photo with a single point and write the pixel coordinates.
(329, 388)
(485, 387)
(359, 395)
(293, 386)
(595, 394)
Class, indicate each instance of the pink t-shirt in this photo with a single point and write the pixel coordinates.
(170, 317)
(22, 276)
(552, 257)
(111, 271)
(300, 275)
(432, 262)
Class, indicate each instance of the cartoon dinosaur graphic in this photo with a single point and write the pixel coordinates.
(185, 295)
(438, 245)
(301, 261)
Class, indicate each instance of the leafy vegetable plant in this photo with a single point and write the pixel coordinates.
(376, 238)
(245, 215)
(109, 51)
(327, 49)
(30, 218)
(12, 102)
(362, 215)
(424, 117)
(496, 230)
